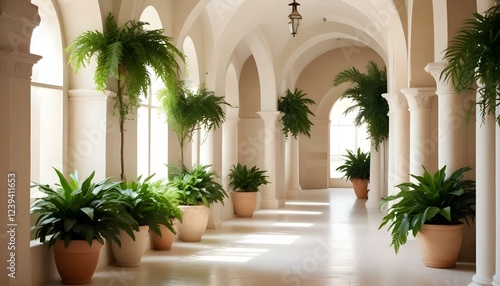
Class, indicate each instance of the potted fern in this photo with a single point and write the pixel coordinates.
(295, 119)
(473, 57)
(432, 208)
(123, 55)
(198, 190)
(75, 218)
(245, 183)
(356, 168)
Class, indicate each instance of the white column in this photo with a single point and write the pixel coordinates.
(376, 166)
(269, 193)
(399, 163)
(419, 102)
(229, 152)
(89, 112)
(292, 168)
(17, 20)
(452, 143)
(485, 201)
(496, 278)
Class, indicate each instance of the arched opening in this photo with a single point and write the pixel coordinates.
(344, 135)
(152, 132)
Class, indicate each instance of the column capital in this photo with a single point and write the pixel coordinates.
(397, 102)
(232, 112)
(419, 98)
(17, 64)
(90, 94)
(435, 69)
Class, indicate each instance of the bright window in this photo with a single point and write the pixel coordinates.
(344, 135)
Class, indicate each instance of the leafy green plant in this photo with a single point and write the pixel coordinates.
(197, 186)
(70, 211)
(295, 119)
(244, 179)
(473, 56)
(366, 93)
(124, 55)
(150, 205)
(432, 199)
(356, 165)
(187, 111)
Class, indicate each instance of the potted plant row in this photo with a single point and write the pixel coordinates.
(433, 209)
(245, 182)
(153, 209)
(73, 217)
(356, 168)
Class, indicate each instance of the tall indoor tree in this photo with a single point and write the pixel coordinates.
(474, 55)
(187, 111)
(124, 55)
(366, 91)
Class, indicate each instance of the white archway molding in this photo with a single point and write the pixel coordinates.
(327, 102)
(264, 61)
(193, 72)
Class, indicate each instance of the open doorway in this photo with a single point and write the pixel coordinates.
(344, 135)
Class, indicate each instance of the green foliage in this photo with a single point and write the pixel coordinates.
(356, 165)
(124, 54)
(90, 211)
(197, 186)
(432, 199)
(243, 179)
(295, 120)
(186, 111)
(366, 93)
(150, 204)
(473, 55)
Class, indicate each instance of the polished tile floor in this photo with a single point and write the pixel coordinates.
(327, 237)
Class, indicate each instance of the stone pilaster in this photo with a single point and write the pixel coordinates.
(270, 199)
(292, 168)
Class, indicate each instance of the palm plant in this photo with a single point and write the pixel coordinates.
(124, 54)
(366, 93)
(295, 119)
(187, 111)
(473, 56)
(432, 199)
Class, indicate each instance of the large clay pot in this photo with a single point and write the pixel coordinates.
(360, 188)
(440, 244)
(167, 237)
(194, 222)
(77, 263)
(130, 253)
(244, 203)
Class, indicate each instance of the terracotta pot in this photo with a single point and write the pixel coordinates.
(77, 263)
(167, 237)
(130, 253)
(244, 203)
(440, 244)
(194, 222)
(360, 188)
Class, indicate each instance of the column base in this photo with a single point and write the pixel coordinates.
(479, 281)
(292, 194)
(372, 204)
(496, 280)
(271, 204)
